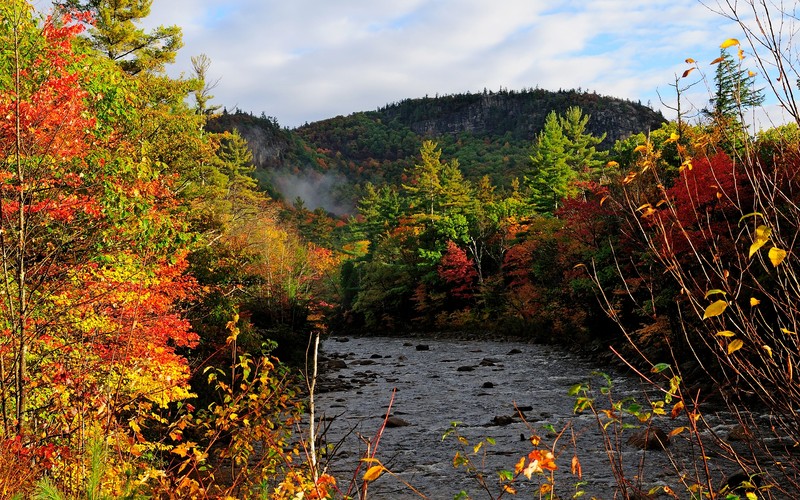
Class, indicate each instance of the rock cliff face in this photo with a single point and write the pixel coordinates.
(521, 113)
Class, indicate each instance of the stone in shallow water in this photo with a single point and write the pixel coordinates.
(487, 385)
(465, 369)
(423, 347)
(396, 422)
(649, 439)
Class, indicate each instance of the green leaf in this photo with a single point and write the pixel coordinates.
(660, 367)
(715, 309)
(751, 214)
(575, 389)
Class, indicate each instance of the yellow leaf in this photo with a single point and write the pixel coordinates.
(677, 430)
(510, 490)
(776, 255)
(690, 61)
(639, 148)
(754, 302)
(717, 60)
(788, 332)
(726, 333)
(520, 465)
(741, 54)
(715, 309)
(768, 349)
(735, 346)
(751, 74)
(761, 238)
(730, 42)
(373, 473)
(135, 426)
(612, 164)
(751, 496)
(686, 73)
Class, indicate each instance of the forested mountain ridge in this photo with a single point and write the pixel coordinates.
(490, 133)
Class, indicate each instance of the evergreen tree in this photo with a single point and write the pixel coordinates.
(551, 175)
(116, 35)
(734, 91)
(581, 149)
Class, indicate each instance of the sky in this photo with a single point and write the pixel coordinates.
(305, 60)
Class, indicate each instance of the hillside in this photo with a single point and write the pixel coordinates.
(326, 162)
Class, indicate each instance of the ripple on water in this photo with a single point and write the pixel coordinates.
(431, 392)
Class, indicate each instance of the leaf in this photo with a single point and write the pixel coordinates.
(761, 238)
(717, 60)
(768, 349)
(677, 430)
(660, 367)
(730, 42)
(612, 164)
(788, 332)
(714, 291)
(640, 148)
(735, 346)
(715, 309)
(686, 73)
(577, 470)
(726, 333)
(776, 255)
(373, 473)
(741, 54)
(690, 61)
(751, 214)
(754, 302)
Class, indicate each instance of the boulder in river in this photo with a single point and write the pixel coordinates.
(651, 438)
(739, 433)
(423, 347)
(465, 369)
(396, 422)
(487, 385)
(514, 351)
(502, 420)
(335, 364)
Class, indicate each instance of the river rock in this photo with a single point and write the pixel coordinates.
(487, 385)
(342, 339)
(335, 364)
(423, 347)
(739, 433)
(465, 369)
(649, 439)
(514, 351)
(502, 420)
(376, 356)
(396, 422)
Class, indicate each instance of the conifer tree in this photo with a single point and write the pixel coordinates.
(734, 91)
(551, 175)
(116, 35)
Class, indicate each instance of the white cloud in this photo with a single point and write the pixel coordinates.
(305, 60)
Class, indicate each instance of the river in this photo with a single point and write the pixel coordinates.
(478, 384)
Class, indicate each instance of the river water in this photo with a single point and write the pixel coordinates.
(432, 383)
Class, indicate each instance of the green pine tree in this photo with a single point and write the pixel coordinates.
(734, 91)
(116, 34)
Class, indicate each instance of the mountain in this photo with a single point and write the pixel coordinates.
(326, 162)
